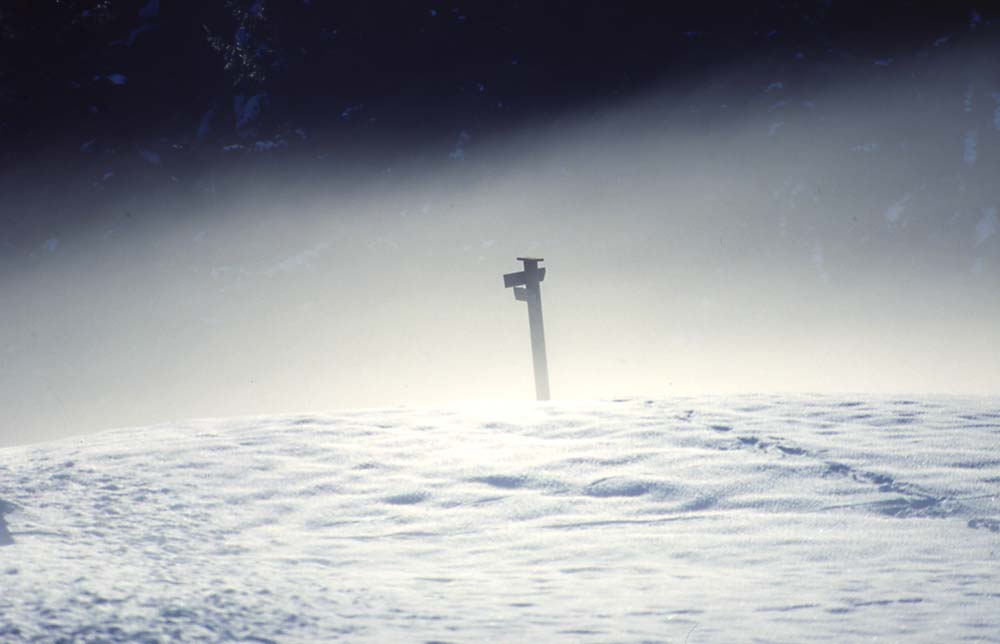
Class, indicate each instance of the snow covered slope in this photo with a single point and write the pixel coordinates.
(698, 520)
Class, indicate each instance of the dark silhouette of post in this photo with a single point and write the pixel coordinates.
(527, 288)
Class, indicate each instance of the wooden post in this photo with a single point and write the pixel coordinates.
(527, 288)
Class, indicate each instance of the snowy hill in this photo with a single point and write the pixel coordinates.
(767, 518)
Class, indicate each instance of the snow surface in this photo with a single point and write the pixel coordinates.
(756, 518)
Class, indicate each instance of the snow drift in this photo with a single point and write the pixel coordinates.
(763, 518)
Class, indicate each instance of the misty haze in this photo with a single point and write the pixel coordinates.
(772, 253)
(777, 237)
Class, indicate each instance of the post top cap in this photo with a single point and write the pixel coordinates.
(530, 259)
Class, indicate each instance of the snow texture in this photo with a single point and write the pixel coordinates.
(758, 518)
(5, 537)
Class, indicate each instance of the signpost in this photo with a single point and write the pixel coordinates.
(526, 285)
